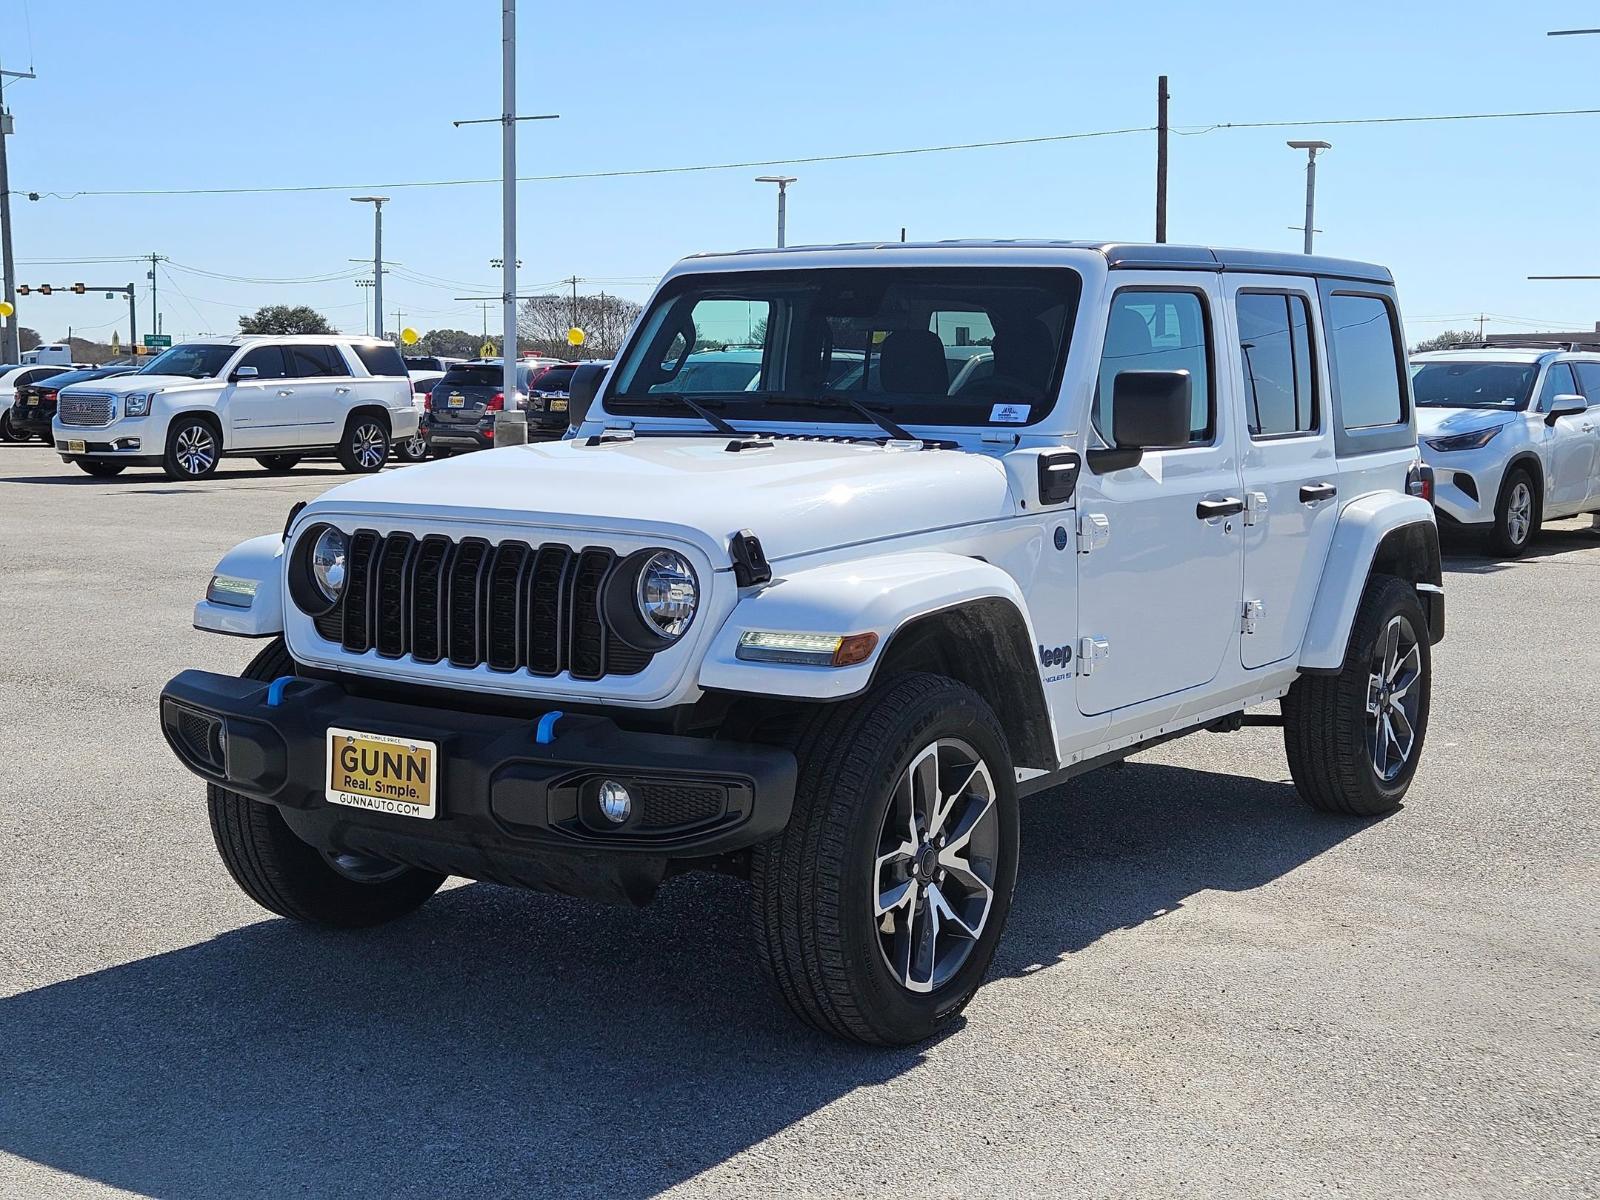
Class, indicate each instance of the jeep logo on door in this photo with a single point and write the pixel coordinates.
(1054, 656)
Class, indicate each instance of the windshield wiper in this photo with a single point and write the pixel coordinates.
(847, 403)
(699, 410)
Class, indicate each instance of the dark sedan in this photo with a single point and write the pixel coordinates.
(35, 404)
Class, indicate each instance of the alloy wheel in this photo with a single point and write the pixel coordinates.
(370, 445)
(1394, 698)
(938, 849)
(195, 449)
(1519, 513)
(415, 447)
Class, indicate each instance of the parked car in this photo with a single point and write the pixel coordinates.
(12, 378)
(548, 393)
(460, 411)
(34, 406)
(415, 448)
(274, 399)
(1513, 436)
(830, 637)
(429, 362)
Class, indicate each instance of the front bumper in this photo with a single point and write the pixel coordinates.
(1466, 483)
(511, 807)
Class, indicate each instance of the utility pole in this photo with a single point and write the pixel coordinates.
(155, 314)
(574, 282)
(12, 338)
(1161, 158)
(1311, 149)
(377, 203)
(783, 182)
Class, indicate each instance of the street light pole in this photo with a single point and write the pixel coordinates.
(783, 182)
(1311, 149)
(508, 217)
(377, 203)
(10, 342)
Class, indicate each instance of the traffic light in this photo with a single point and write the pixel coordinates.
(44, 289)
(77, 289)
(23, 289)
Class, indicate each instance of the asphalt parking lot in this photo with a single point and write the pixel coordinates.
(1206, 989)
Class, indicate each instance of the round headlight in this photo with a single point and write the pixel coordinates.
(327, 562)
(667, 593)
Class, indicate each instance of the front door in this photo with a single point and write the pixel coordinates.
(1159, 598)
(1290, 477)
(261, 410)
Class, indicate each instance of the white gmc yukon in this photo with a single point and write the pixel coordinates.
(276, 399)
(826, 628)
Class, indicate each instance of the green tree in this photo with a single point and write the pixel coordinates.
(27, 338)
(449, 343)
(285, 318)
(1443, 341)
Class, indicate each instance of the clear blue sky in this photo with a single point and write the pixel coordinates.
(193, 93)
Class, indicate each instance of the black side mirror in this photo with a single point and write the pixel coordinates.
(1150, 410)
(582, 389)
(1565, 406)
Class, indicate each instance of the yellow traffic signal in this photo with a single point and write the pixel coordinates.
(44, 289)
(77, 289)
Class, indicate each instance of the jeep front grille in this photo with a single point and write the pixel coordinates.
(509, 605)
(86, 411)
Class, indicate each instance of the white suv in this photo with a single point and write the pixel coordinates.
(274, 399)
(827, 631)
(1513, 436)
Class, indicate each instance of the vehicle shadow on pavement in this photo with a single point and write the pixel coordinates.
(1463, 555)
(502, 1042)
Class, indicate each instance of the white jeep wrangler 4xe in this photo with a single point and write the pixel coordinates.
(984, 516)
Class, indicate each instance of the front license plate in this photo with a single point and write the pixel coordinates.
(457, 400)
(75, 447)
(382, 773)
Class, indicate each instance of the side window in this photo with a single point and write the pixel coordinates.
(1558, 381)
(1275, 350)
(1158, 331)
(384, 360)
(267, 360)
(313, 362)
(1364, 340)
(1589, 376)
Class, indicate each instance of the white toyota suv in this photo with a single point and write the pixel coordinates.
(274, 399)
(826, 631)
(1513, 436)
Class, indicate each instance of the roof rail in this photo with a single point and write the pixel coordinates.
(1524, 344)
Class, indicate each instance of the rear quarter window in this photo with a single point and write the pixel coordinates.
(384, 361)
(1365, 345)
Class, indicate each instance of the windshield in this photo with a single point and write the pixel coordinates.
(798, 345)
(200, 360)
(1502, 385)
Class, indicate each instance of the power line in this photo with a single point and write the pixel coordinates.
(1193, 130)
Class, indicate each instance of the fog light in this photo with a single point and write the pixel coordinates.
(615, 803)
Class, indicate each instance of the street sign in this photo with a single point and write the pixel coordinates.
(157, 341)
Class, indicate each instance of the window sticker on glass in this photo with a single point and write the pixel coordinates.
(1009, 414)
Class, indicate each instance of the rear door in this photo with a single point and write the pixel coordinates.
(260, 411)
(1290, 474)
(1159, 594)
(322, 382)
(1585, 447)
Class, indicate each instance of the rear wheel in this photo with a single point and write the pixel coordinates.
(1354, 739)
(101, 470)
(278, 463)
(365, 445)
(878, 909)
(1516, 515)
(286, 876)
(193, 449)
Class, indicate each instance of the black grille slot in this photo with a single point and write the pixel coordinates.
(588, 656)
(393, 584)
(358, 591)
(203, 737)
(509, 605)
(547, 608)
(664, 805)
(467, 602)
(503, 633)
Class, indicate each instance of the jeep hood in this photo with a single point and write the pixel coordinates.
(797, 496)
(1445, 422)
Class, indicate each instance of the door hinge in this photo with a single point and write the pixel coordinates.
(1094, 531)
(1092, 650)
(1252, 614)
(1255, 507)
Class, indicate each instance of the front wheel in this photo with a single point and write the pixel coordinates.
(7, 433)
(365, 445)
(193, 449)
(1354, 739)
(878, 909)
(285, 875)
(1516, 516)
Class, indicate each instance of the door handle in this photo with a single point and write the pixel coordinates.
(1210, 510)
(341, 390)
(1315, 493)
(285, 391)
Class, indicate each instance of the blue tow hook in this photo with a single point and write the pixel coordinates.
(546, 732)
(276, 688)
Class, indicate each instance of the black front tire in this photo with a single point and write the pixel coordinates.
(193, 449)
(101, 470)
(1329, 732)
(365, 446)
(285, 875)
(7, 433)
(818, 884)
(278, 463)
(1516, 515)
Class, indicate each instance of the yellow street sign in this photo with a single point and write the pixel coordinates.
(486, 350)
(116, 342)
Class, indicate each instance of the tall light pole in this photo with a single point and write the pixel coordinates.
(377, 203)
(783, 182)
(10, 343)
(1311, 149)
